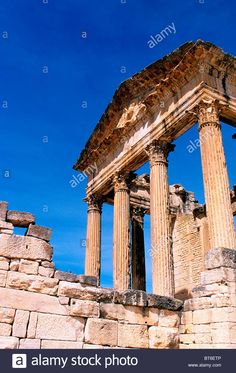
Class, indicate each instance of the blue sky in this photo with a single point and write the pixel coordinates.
(48, 70)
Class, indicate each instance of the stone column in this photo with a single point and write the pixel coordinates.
(121, 233)
(138, 249)
(93, 239)
(161, 242)
(215, 177)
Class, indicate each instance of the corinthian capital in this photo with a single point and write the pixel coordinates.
(121, 181)
(208, 113)
(158, 151)
(94, 202)
(137, 213)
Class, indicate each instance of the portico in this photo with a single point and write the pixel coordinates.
(147, 114)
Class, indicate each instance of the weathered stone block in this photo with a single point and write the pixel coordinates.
(200, 338)
(6, 227)
(131, 314)
(3, 210)
(71, 277)
(160, 337)
(9, 342)
(20, 219)
(4, 259)
(7, 315)
(5, 329)
(186, 329)
(64, 300)
(14, 264)
(220, 257)
(198, 303)
(20, 324)
(221, 300)
(220, 275)
(66, 276)
(59, 327)
(202, 328)
(85, 309)
(220, 332)
(38, 231)
(169, 318)
(88, 280)
(34, 283)
(3, 278)
(211, 289)
(46, 272)
(86, 293)
(61, 344)
(25, 300)
(187, 317)
(31, 331)
(112, 311)
(30, 343)
(6, 231)
(29, 266)
(4, 264)
(101, 332)
(202, 316)
(131, 298)
(132, 336)
(224, 314)
(141, 315)
(164, 302)
(22, 247)
(187, 338)
(153, 316)
(47, 264)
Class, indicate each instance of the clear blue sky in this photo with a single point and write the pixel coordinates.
(48, 69)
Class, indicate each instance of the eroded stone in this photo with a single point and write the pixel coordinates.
(20, 219)
(60, 327)
(22, 247)
(38, 231)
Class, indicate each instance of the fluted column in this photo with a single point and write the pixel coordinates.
(121, 233)
(138, 249)
(161, 243)
(215, 177)
(93, 239)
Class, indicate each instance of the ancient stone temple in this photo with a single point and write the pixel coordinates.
(193, 246)
(194, 84)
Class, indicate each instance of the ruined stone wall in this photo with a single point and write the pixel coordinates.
(209, 318)
(41, 307)
(188, 255)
